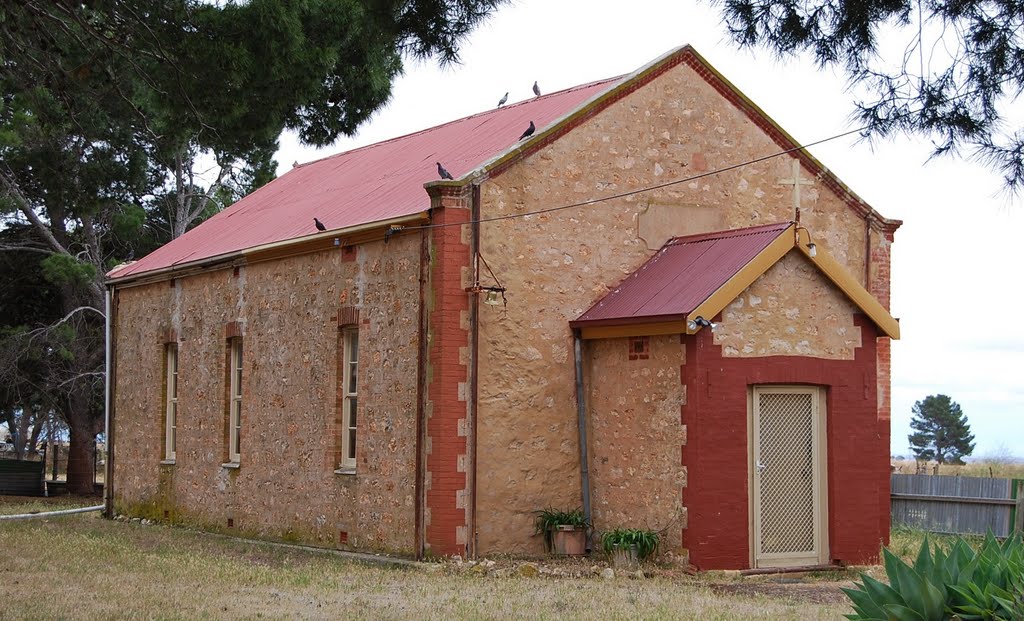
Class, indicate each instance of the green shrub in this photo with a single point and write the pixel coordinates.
(646, 541)
(550, 519)
(958, 584)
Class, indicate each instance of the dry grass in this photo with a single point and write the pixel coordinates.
(85, 567)
(1002, 468)
(12, 505)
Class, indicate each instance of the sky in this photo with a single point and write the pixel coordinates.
(955, 259)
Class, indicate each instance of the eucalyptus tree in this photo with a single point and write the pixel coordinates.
(125, 122)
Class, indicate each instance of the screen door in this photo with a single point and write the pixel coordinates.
(787, 476)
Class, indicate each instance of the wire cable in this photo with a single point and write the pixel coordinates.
(602, 199)
(611, 197)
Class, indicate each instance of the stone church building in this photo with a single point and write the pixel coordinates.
(608, 314)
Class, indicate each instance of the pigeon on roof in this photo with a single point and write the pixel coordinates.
(443, 172)
(501, 102)
(319, 225)
(536, 89)
(529, 131)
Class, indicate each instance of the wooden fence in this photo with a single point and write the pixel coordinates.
(959, 505)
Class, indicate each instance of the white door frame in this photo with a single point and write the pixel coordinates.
(820, 554)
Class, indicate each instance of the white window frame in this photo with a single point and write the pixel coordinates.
(235, 401)
(349, 399)
(171, 405)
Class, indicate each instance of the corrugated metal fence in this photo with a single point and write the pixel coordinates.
(961, 505)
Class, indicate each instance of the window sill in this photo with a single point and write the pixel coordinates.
(167, 462)
(234, 465)
(347, 471)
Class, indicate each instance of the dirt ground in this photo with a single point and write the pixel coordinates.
(788, 588)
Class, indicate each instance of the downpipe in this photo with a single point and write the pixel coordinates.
(581, 420)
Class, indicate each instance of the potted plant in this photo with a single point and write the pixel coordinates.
(565, 532)
(627, 546)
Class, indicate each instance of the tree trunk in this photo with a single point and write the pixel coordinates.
(80, 462)
(82, 426)
(21, 439)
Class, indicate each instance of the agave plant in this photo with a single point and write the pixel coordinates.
(961, 584)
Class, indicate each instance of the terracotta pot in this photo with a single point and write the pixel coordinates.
(568, 541)
(625, 557)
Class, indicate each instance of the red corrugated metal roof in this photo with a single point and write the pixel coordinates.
(369, 184)
(682, 275)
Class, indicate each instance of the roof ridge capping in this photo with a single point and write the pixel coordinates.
(458, 120)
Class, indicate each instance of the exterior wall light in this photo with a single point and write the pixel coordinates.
(493, 298)
(812, 249)
(700, 322)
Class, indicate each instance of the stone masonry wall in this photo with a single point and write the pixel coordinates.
(636, 470)
(555, 265)
(792, 310)
(288, 312)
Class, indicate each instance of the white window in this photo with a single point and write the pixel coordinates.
(235, 407)
(171, 407)
(350, 400)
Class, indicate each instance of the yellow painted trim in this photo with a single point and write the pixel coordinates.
(860, 296)
(750, 272)
(786, 241)
(634, 329)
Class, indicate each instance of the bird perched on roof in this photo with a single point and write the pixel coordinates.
(441, 170)
(501, 102)
(536, 89)
(529, 131)
(319, 225)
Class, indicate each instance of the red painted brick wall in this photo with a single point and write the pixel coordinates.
(445, 514)
(716, 453)
(879, 286)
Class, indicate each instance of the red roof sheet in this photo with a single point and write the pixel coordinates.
(676, 280)
(369, 184)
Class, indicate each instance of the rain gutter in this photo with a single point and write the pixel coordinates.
(274, 250)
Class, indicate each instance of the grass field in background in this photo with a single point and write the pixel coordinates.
(997, 468)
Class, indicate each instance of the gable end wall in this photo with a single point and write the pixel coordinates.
(555, 265)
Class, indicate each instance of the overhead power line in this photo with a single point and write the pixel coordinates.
(651, 188)
(611, 197)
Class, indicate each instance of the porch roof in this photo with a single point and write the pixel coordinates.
(696, 276)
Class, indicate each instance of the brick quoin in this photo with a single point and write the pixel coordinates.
(447, 337)
(717, 449)
(881, 259)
